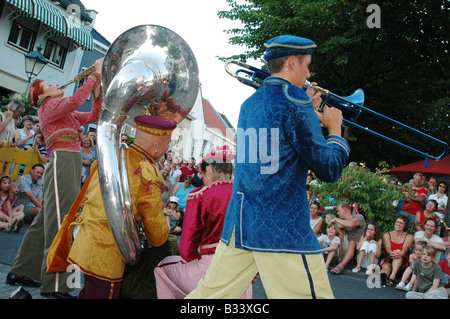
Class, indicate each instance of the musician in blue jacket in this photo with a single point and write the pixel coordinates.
(279, 139)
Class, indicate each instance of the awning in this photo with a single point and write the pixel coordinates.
(49, 16)
(433, 168)
(79, 33)
(66, 26)
(440, 167)
(26, 6)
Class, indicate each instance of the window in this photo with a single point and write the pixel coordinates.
(55, 53)
(21, 37)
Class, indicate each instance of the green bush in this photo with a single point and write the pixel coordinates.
(370, 191)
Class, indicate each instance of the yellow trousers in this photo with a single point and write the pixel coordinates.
(284, 276)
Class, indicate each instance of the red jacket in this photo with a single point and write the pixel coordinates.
(59, 120)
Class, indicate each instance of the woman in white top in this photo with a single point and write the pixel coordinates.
(25, 135)
(440, 197)
(315, 220)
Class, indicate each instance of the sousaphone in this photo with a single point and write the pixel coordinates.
(148, 69)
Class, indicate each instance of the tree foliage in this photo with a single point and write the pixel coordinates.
(401, 66)
(372, 193)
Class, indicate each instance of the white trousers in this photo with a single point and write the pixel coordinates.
(284, 276)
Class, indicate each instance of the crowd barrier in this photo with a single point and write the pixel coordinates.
(13, 160)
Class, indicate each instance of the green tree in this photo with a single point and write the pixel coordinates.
(401, 66)
(369, 190)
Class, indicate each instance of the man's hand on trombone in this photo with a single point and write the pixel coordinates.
(331, 117)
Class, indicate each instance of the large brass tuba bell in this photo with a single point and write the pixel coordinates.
(148, 69)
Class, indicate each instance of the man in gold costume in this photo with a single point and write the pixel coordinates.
(94, 249)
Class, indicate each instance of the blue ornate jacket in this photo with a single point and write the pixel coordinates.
(278, 139)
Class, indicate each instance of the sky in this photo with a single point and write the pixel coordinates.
(195, 21)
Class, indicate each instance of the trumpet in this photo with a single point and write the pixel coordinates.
(351, 106)
(80, 76)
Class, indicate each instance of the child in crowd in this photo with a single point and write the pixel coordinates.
(10, 217)
(413, 258)
(369, 247)
(429, 276)
(323, 229)
(330, 244)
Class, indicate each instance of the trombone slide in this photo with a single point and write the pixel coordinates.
(351, 106)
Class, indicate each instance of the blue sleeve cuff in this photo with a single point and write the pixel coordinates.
(335, 139)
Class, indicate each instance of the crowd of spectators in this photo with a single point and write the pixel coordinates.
(419, 232)
(181, 176)
(348, 239)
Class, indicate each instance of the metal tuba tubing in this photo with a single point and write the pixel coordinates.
(148, 69)
(351, 106)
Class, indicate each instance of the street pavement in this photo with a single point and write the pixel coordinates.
(345, 286)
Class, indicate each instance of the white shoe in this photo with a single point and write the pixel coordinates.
(11, 225)
(408, 287)
(400, 286)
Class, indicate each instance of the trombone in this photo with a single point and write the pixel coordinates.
(351, 106)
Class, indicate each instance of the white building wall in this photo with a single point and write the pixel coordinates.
(12, 60)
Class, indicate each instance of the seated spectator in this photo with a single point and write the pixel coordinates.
(169, 158)
(197, 181)
(188, 170)
(309, 178)
(407, 281)
(328, 218)
(432, 186)
(428, 278)
(396, 246)
(177, 276)
(428, 235)
(25, 136)
(315, 220)
(11, 217)
(88, 155)
(174, 173)
(440, 197)
(167, 188)
(8, 120)
(92, 133)
(330, 245)
(352, 226)
(31, 193)
(416, 196)
(173, 216)
(36, 126)
(423, 215)
(181, 190)
(369, 247)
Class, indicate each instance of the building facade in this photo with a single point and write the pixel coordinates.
(64, 33)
